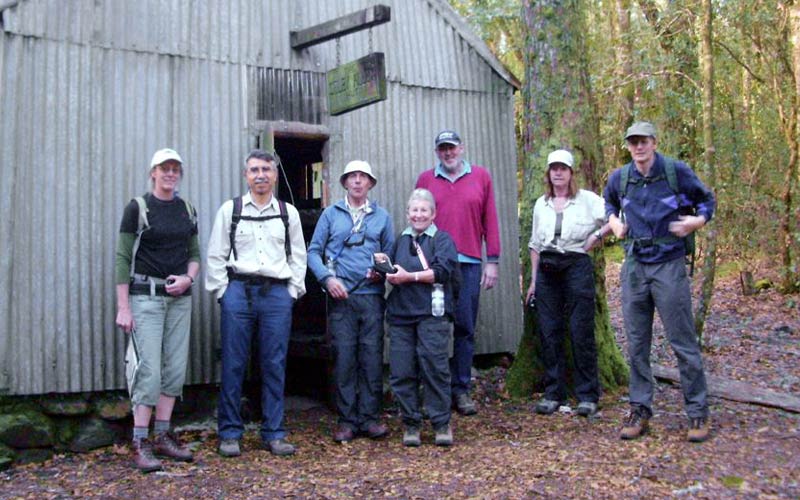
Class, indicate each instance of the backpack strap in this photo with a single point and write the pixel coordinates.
(237, 216)
(191, 211)
(143, 226)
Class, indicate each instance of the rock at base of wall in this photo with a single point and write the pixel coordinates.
(112, 406)
(33, 455)
(7, 456)
(65, 404)
(26, 429)
(93, 433)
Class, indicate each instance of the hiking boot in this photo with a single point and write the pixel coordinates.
(343, 434)
(375, 430)
(444, 435)
(586, 408)
(465, 405)
(636, 424)
(143, 457)
(229, 448)
(166, 444)
(546, 406)
(698, 429)
(280, 447)
(411, 437)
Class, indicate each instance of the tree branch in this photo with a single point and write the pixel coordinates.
(739, 61)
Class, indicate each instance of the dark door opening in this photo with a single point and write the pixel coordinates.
(308, 368)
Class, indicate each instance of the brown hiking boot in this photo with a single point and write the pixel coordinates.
(636, 425)
(143, 457)
(166, 444)
(698, 429)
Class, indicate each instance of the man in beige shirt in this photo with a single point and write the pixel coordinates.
(256, 268)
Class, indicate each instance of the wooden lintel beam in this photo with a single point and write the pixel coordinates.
(357, 21)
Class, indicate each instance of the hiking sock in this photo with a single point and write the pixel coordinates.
(161, 426)
(140, 433)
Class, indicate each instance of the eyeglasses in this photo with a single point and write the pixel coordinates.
(170, 169)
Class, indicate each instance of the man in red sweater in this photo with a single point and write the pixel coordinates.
(465, 209)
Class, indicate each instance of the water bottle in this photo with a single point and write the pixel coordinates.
(331, 265)
(437, 300)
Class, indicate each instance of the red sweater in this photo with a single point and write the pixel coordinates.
(466, 210)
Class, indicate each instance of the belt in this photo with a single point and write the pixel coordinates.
(255, 279)
(147, 285)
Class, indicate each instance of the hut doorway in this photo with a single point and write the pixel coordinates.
(301, 155)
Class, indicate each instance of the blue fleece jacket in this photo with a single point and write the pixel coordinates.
(352, 260)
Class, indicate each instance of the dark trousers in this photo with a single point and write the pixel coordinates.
(466, 316)
(356, 325)
(565, 299)
(418, 353)
(266, 312)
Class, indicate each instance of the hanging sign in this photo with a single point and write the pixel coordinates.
(357, 84)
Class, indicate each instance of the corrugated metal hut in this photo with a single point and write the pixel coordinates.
(90, 88)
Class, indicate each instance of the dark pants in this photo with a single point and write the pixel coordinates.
(267, 313)
(466, 316)
(356, 325)
(663, 286)
(418, 353)
(565, 299)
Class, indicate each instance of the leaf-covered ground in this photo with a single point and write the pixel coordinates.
(506, 451)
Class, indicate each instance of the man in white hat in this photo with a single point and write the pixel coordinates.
(340, 254)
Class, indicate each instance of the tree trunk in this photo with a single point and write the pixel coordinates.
(710, 255)
(560, 111)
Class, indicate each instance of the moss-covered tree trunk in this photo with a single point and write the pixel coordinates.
(560, 111)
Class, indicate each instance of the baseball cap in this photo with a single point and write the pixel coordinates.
(163, 155)
(560, 156)
(357, 166)
(448, 137)
(644, 129)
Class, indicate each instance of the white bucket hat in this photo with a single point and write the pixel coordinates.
(357, 166)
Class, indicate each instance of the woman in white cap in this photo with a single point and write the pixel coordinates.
(158, 259)
(567, 224)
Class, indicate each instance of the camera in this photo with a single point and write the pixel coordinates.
(531, 302)
(383, 264)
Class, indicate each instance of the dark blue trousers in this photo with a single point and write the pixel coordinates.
(466, 316)
(266, 312)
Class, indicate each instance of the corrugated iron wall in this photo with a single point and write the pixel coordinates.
(88, 96)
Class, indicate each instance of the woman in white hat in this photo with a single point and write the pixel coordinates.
(158, 259)
(567, 224)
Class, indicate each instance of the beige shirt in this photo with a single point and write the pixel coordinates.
(582, 216)
(259, 247)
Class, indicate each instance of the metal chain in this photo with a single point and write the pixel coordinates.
(370, 41)
(338, 52)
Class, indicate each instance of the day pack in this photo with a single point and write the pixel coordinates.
(236, 216)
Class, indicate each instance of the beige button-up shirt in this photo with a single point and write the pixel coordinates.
(583, 215)
(259, 247)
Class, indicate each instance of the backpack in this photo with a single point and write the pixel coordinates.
(236, 216)
(144, 224)
(672, 180)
